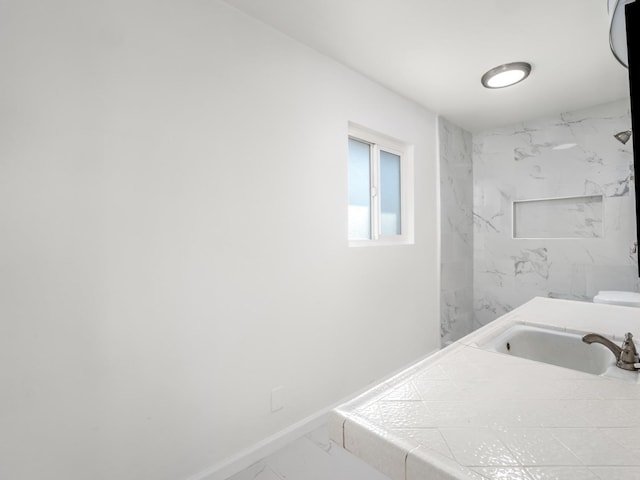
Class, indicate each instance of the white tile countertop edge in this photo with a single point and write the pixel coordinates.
(401, 457)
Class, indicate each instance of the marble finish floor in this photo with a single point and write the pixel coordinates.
(311, 457)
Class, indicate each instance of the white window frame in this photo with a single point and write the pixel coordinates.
(378, 142)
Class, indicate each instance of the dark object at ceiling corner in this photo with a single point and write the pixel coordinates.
(632, 13)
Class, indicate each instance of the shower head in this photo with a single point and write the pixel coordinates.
(623, 137)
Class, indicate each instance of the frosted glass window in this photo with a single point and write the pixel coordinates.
(380, 189)
(390, 197)
(359, 190)
(573, 217)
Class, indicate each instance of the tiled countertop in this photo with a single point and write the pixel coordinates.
(468, 413)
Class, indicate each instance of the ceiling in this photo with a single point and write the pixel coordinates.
(435, 51)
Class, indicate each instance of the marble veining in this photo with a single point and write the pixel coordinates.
(617, 188)
(456, 212)
(570, 155)
(486, 224)
(534, 261)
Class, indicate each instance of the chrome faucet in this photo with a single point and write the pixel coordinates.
(626, 356)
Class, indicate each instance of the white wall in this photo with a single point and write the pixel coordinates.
(173, 229)
(522, 162)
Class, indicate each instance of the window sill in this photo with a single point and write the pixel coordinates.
(384, 242)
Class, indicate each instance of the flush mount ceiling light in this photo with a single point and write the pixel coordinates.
(506, 75)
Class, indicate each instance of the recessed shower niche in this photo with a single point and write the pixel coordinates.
(559, 217)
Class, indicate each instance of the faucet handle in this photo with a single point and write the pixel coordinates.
(629, 353)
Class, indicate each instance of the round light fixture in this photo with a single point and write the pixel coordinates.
(506, 75)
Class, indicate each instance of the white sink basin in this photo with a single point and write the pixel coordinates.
(554, 347)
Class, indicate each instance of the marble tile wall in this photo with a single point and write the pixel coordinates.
(573, 154)
(456, 210)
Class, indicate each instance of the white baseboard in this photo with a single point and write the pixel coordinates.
(247, 457)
